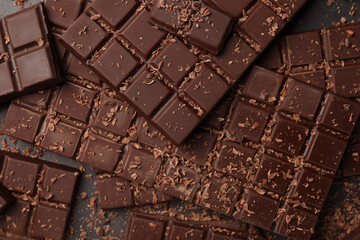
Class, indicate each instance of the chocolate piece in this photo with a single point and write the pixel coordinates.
(116, 41)
(354, 234)
(6, 199)
(44, 195)
(157, 227)
(27, 58)
(117, 192)
(203, 25)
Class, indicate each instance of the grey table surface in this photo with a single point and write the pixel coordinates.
(317, 14)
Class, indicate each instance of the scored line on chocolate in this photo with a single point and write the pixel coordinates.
(113, 47)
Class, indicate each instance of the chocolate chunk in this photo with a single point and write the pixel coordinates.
(136, 63)
(44, 193)
(156, 227)
(27, 56)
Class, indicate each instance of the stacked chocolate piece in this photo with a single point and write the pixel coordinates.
(163, 100)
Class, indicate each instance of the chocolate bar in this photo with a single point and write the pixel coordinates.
(6, 199)
(158, 227)
(117, 192)
(27, 58)
(266, 163)
(59, 119)
(116, 41)
(44, 195)
(301, 55)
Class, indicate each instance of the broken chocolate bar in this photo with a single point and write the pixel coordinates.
(115, 40)
(44, 193)
(27, 56)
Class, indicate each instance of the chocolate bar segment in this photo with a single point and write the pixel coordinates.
(44, 195)
(27, 58)
(135, 62)
(159, 227)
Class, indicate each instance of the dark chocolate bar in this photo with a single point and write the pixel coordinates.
(44, 193)
(270, 162)
(79, 115)
(158, 227)
(117, 192)
(27, 57)
(334, 51)
(115, 40)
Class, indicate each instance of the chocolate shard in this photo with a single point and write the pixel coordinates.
(27, 56)
(45, 194)
(117, 41)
